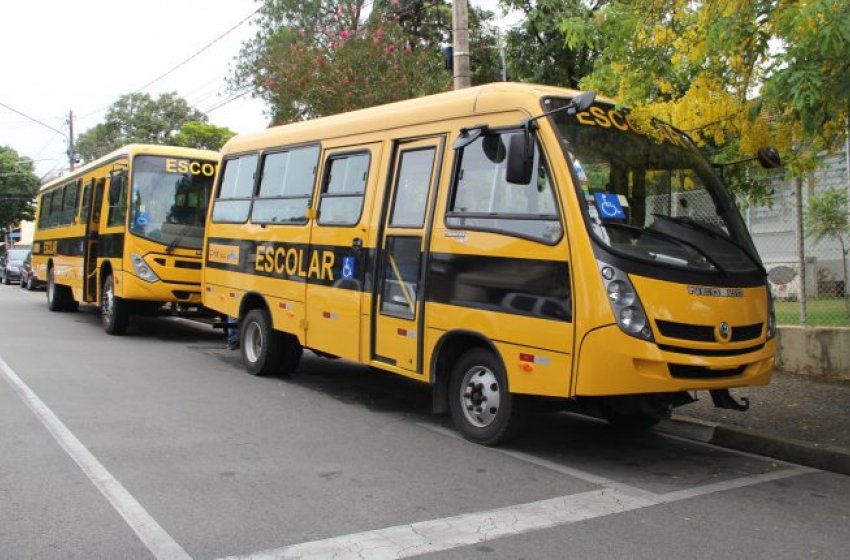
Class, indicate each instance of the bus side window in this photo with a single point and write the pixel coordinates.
(69, 202)
(286, 186)
(233, 203)
(342, 193)
(56, 207)
(483, 199)
(85, 206)
(117, 207)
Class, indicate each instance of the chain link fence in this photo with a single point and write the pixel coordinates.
(803, 242)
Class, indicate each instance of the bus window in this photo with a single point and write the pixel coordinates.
(286, 186)
(414, 178)
(55, 207)
(342, 194)
(118, 206)
(85, 208)
(484, 199)
(69, 203)
(237, 187)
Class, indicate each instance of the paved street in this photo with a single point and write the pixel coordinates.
(157, 444)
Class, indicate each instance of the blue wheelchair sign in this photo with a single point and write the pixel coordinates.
(609, 206)
(348, 267)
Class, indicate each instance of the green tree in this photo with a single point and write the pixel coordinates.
(201, 135)
(537, 50)
(321, 57)
(826, 217)
(18, 188)
(736, 75)
(754, 71)
(138, 117)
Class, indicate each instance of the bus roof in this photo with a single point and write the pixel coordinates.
(133, 150)
(477, 100)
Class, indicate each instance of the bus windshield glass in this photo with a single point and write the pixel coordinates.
(169, 199)
(650, 194)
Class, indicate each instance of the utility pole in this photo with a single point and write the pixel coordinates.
(460, 42)
(71, 139)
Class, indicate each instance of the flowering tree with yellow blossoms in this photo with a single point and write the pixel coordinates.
(736, 74)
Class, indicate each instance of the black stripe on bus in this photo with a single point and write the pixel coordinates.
(111, 245)
(347, 268)
(61, 246)
(534, 288)
(528, 287)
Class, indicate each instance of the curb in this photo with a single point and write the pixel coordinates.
(827, 458)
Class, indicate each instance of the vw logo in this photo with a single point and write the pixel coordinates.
(724, 331)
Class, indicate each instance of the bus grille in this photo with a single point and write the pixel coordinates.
(705, 333)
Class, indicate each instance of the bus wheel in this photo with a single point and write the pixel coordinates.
(482, 409)
(58, 297)
(264, 350)
(114, 311)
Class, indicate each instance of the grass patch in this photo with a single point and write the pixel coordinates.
(822, 312)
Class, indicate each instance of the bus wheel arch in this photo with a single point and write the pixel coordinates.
(59, 298)
(474, 377)
(264, 350)
(451, 346)
(114, 311)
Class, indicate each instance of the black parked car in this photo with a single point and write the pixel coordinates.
(28, 278)
(11, 262)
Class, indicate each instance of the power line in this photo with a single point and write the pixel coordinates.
(205, 47)
(33, 119)
(226, 101)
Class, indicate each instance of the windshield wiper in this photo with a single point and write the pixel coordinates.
(177, 239)
(699, 226)
(668, 237)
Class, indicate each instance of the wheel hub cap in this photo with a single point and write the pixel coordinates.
(480, 396)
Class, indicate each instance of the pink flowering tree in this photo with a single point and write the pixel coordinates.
(321, 57)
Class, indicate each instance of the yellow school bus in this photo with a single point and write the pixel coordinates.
(499, 243)
(125, 232)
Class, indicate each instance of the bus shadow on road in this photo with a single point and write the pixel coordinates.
(648, 460)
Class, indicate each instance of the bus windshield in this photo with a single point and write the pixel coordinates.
(651, 195)
(169, 200)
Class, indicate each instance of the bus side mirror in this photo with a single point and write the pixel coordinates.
(769, 157)
(520, 158)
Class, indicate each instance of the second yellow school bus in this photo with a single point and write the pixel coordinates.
(498, 243)
(124, 232)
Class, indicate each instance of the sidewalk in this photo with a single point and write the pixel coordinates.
(796, 418)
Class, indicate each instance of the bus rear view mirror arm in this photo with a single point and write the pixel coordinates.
(520, 151)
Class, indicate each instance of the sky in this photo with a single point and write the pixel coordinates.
(58, 56)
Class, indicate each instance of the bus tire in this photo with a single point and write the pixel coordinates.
(482, 408)
(58, 297)
(262, 348)
(114, 311)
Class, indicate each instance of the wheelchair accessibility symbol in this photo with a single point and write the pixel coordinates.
(609, 206)
(348, 267)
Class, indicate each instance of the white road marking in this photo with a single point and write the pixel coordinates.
(403, 541)
(154, 537)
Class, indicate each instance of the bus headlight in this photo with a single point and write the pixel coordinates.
(771, 315)
(625, 302)
(142, 270)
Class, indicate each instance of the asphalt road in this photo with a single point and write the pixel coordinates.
(157, 444)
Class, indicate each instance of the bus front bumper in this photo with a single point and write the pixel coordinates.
(614, 363)
(181, 292)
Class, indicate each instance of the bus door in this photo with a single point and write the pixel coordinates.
(398, 318)
(90, 212)
(337, 259)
